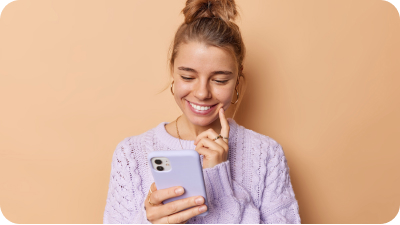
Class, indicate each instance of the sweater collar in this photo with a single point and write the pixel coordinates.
(173, 142)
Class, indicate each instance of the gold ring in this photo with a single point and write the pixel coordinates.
(219, 136)
(149, 199)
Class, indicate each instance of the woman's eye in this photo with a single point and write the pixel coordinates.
(187, 78)
(218, 81)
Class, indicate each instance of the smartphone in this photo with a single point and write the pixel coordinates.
(179, 168)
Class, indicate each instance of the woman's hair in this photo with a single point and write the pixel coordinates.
(211, 22)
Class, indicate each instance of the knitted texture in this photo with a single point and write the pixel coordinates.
(252, 186)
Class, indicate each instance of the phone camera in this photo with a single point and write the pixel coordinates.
(157, 161)
(160, 168)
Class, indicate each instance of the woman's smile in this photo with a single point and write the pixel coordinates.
(200, 110)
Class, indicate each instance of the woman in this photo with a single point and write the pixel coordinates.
(246, 173)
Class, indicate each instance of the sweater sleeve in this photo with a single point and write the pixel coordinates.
(228, 201)
(279, 204)
(124, 204)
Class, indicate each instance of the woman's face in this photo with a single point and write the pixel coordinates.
(203, 75)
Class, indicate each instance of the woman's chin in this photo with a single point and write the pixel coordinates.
(202, 121)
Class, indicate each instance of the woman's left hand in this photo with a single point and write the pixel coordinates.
(215, 152)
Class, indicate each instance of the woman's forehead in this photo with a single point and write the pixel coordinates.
(201, 56)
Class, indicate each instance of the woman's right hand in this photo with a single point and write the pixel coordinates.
(169, 213)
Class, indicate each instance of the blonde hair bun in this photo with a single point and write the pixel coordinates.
(223, 9)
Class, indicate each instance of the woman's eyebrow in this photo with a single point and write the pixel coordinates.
(213, 73)
(222, 72)
(187, 69)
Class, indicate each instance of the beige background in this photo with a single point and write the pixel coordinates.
(77, 77)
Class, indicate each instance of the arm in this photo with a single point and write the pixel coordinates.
(279, 204)
(124, 199)
(229, 202)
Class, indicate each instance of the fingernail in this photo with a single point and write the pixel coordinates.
(179, 191)
(202, 208)
(199, 201)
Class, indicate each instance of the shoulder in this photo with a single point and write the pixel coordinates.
(258, 138)
(131, 141)
(129, 146)
(263, 143)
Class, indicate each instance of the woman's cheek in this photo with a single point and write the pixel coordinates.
(224, 97)
(183, 89)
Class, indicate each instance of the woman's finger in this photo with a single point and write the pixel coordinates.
(158, 196)
(185, 215)
(213, 145)
(210, 134)
(153, 187)
(211, 157)
(208, 153)
(155, 210)
(180, 205)
(224, 125)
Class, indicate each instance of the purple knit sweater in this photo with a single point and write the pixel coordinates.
(253, 186)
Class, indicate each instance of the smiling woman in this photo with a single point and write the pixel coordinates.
(245, 173)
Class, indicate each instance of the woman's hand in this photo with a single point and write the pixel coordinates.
(169, 213)
(215, 152)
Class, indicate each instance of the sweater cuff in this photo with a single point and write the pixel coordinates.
(218, 181)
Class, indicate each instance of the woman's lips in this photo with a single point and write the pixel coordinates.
(200, 112)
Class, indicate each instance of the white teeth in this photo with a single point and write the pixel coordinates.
(202, 108)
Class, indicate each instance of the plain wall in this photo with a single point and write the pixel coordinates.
(77, 77)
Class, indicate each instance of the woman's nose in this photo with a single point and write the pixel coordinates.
(202, 91)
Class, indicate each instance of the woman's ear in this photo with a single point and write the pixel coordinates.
(238, 81)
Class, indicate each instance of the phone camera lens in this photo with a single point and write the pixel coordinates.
(160, 168)
(157, 161)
